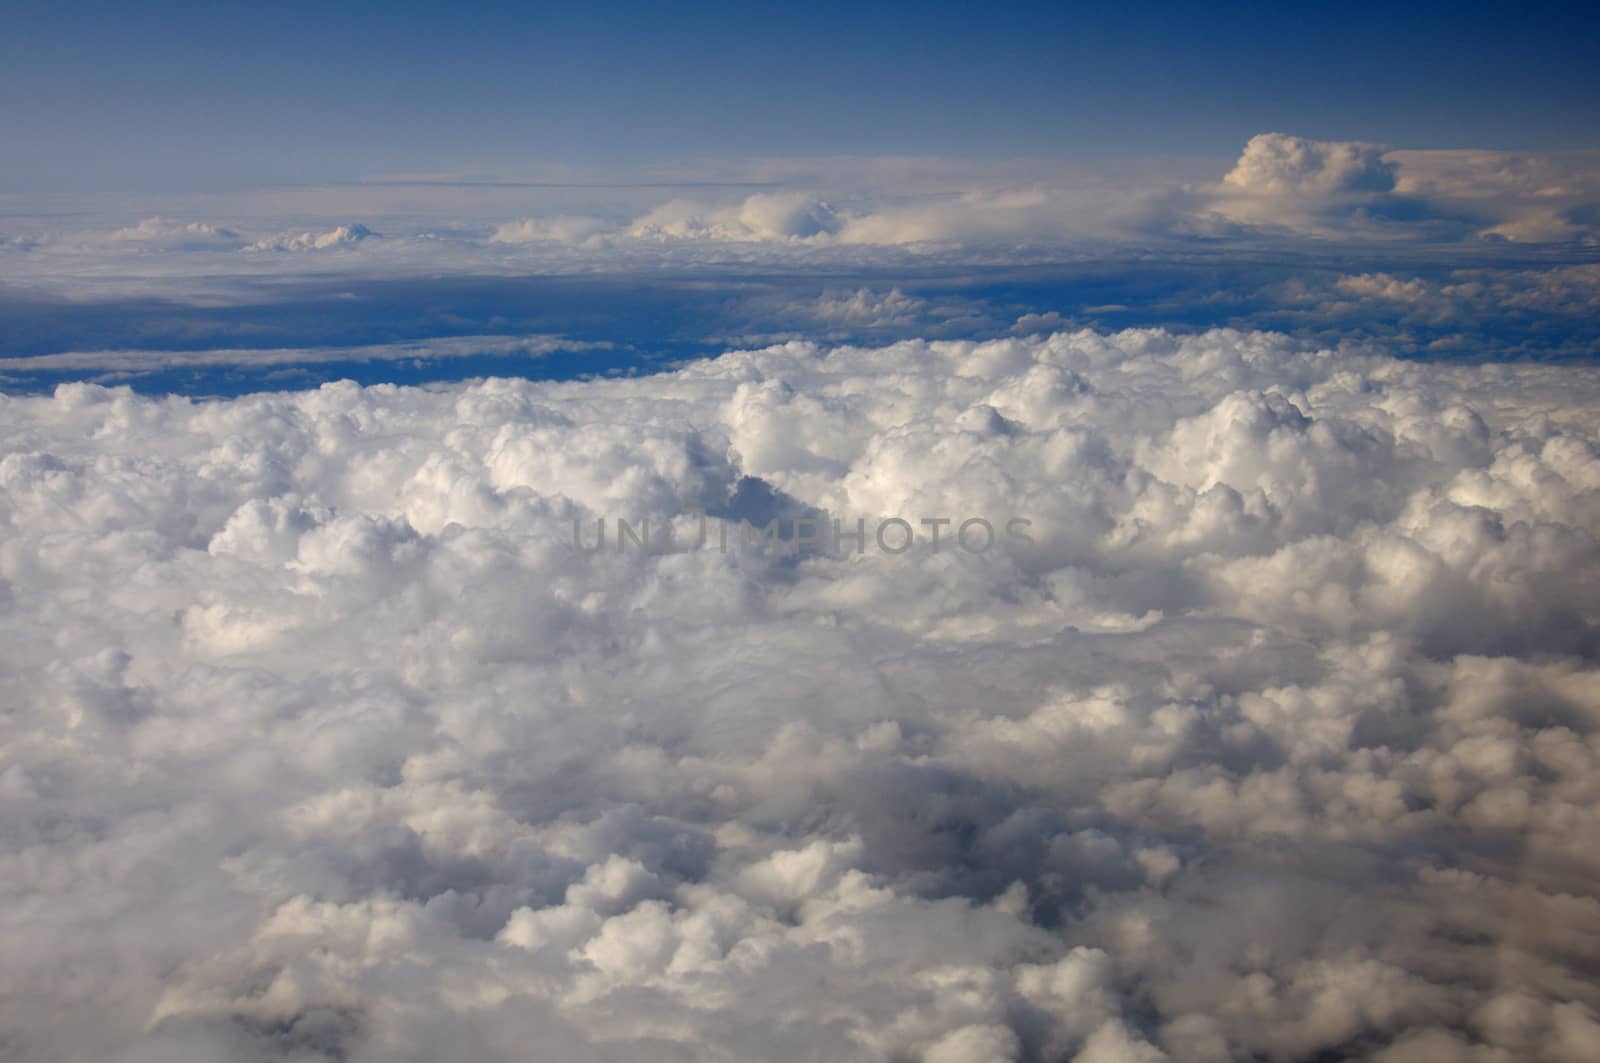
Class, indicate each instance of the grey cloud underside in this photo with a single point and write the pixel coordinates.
(322, 741)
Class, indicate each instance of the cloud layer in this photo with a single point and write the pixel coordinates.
(324, 741)
(1436, 253)
(1280, 186)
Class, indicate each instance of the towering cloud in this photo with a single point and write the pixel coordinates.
(765, 216)
(1274, 164)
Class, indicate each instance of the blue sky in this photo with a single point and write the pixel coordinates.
(172, 97)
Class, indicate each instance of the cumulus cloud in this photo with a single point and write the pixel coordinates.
(1359, 190)
(1521, 197)
(342, 236)
(562, 229)
(765, 216)
(866, 308)
(1468, 207)
(1308, 186)
(1280, 184)
(166, 234)
(1275, 738)
(1274, 164)
(980, 215)
(1465, 313)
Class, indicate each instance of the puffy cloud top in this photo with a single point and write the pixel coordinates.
(840, 212)
(766, 216)
(563, 229)
(1275, 164)
(342, 236)
(1274, 738)
(178, 235)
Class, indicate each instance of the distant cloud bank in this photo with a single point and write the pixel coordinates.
(1281, 186)
(343, 236)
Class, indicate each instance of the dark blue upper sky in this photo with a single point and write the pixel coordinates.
(175, 97)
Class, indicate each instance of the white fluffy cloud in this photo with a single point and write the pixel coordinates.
(1274, 164)
(1359, 190)
(1289, 183)
(873, 214)
(765, 216)
(322, 740)
(563, 229)
(166, 234)
(1279, 184)
(1527, 198)
(341, 236)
